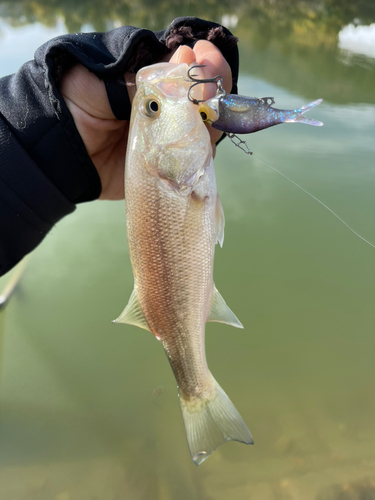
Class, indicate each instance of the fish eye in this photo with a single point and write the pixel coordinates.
(151, 108)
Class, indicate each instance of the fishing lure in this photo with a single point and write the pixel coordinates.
(236, 114)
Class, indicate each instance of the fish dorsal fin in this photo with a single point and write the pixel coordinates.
(221, 313)
(132, 314)
(219, 221)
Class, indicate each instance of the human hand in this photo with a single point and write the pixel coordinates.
(104, 136)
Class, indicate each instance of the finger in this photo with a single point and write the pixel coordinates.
(183, 54)
(209, 55)
(85, 89)
(130, 85)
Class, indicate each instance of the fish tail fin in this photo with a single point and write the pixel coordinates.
(210, 422)
(298, 115)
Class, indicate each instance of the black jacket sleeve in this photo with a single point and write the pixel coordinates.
(44, 167)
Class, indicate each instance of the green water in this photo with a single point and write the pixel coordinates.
(89, 410)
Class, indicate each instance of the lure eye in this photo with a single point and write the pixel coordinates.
(204, 116)
(204, 113)
(151, 108)
(207, 113)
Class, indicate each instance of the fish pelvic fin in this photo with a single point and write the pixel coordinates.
(132, 314)
(220, 312)
(297, 115)
(210, 422)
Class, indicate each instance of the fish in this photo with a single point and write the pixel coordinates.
(236, 114)
(174, 220)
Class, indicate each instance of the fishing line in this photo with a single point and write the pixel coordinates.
(239, 143)
(316, 199)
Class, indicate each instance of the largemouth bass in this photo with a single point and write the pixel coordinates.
(174, 219)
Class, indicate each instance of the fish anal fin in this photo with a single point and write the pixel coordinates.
(220, 311)
(132, 314)
(219, 221)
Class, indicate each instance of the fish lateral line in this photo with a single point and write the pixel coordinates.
(244, 147)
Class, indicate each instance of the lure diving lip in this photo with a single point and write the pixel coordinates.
(236, 114)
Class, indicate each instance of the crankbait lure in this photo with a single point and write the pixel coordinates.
(235, 114)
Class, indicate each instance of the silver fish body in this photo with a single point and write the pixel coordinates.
(174, 219)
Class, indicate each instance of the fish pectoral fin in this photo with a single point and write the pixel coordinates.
(219, 221)
(132, 314)
(221, 313)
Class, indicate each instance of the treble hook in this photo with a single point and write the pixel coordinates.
(217, 79)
